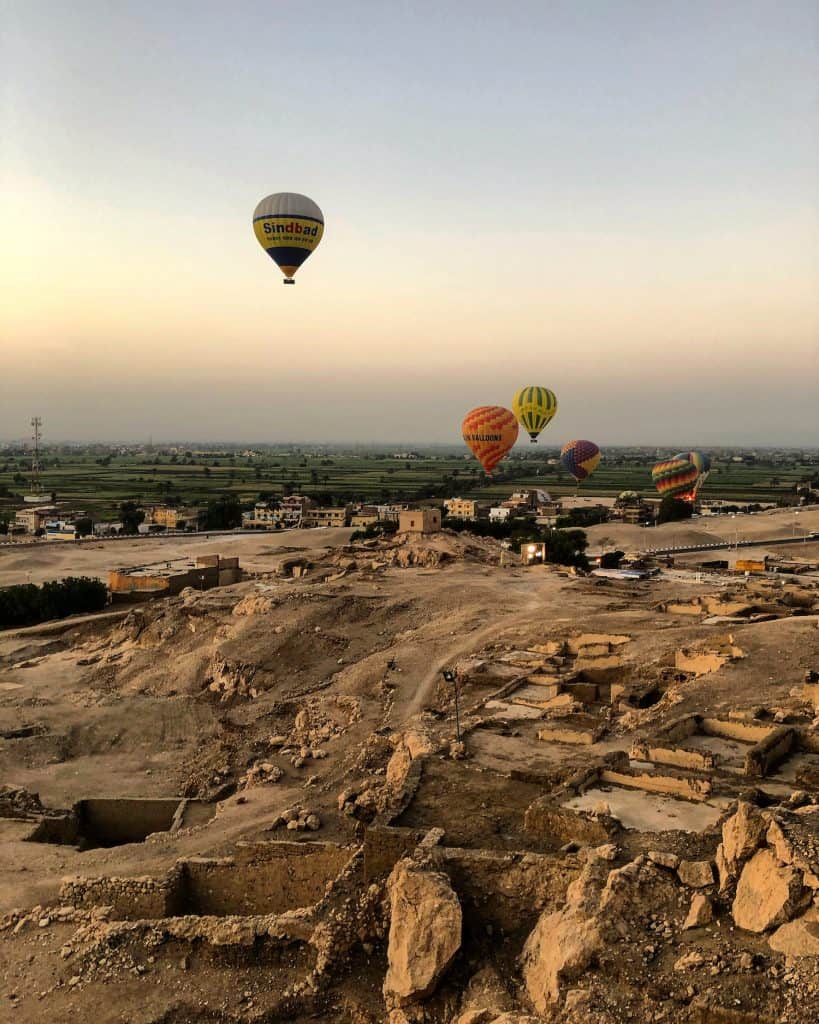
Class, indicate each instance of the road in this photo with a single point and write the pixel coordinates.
(730, 545)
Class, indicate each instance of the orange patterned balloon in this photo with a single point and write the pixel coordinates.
(490, 431)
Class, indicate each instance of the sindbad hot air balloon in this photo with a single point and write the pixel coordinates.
(580, 458)
(490, 431)
(289, 227)
(534, 408)
(678, 477)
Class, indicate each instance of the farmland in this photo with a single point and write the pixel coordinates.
(97, 478)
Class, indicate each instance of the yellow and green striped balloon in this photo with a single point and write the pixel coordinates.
(534, 407)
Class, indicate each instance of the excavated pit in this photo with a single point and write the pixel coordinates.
(647, 812)
(107, 822)
(260, 878)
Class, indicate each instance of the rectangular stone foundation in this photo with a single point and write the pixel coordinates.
(676, 757)
(686, 789)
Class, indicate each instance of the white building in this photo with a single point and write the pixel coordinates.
(59, 529)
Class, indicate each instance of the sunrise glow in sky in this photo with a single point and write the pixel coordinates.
(615, 200)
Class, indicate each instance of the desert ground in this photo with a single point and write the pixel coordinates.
(27, 562)
(252, 805)
(771, 526)
(36, 562)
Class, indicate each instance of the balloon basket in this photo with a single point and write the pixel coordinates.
(288, 280)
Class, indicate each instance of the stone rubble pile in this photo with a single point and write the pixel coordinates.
(297, 819)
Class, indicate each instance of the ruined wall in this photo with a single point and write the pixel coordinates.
(679, 729)
(769, 752)
(131, 899)
(555, 825)
(506, 890)
(127, 583)
(685, 788)
(385, 845)
(676, 757)
(742, 732)
(60, 829)
(111, 822)
(262, 878)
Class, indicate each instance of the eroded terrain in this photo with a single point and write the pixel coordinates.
(250, 804)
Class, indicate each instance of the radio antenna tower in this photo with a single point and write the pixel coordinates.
(36, 422)
(36, 487)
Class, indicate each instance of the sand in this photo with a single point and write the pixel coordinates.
(48, 560)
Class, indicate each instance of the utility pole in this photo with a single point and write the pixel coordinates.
(452, 678)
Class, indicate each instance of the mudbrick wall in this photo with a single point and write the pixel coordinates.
(385, 845)
(506, 891)
(555, 825)
(261, 878)
(115, 821)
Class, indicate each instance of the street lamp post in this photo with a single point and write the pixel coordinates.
(451, 678)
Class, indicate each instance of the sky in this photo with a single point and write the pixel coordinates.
(617, 201)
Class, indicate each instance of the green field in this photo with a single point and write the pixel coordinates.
(97, 478)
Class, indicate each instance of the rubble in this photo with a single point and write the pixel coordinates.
(651, 857)
(700, 913)
(696, 874)
(799, 937)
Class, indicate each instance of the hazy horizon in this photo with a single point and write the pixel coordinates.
(401, 444)
(615, 201)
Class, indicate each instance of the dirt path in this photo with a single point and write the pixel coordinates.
(465, 646)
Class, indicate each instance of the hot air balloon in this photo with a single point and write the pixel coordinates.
(534, 408)
(580, 458)
(703, 465)
(289, 227)
(490, 431)
(676, 478)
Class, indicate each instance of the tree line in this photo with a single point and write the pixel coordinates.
(27, 604)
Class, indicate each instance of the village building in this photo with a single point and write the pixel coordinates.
(420, 520)
(324, 517)
(287, 513)
(461, 508)
(173, 517)
(30, 520)
(162, 579)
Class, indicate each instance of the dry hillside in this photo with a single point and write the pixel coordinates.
(251, 805)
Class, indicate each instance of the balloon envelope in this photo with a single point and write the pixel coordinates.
(534, 407)
(288, 226)
(490, 431)
(702, 463)
(677, 477)
(580, 458)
